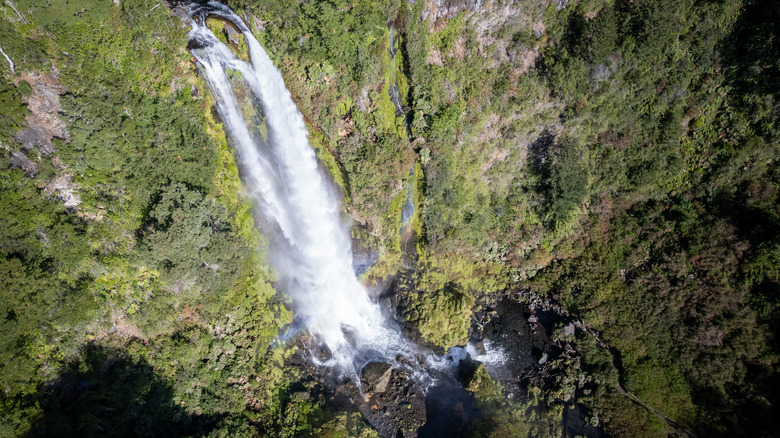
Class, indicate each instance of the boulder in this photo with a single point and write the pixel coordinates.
(375, 376)
(233, 35)
(399, 409)
(569, 330)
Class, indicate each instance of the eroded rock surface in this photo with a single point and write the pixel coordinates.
(43, 123)
(375, 377)
(20, 161)
(398, 410)
(448, 8)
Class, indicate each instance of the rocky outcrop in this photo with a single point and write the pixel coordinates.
(43, 122)
(20, 161)
(392, 403)
(448, 8)
(61, 186)
(181, 13)
(375, 377)
(233, 35)
(44, 125)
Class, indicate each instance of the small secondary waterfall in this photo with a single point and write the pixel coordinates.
(312, 249)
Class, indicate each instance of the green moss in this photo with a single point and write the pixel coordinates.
(442, 318)
(219, 27)
(438, 269)
(389, 120)
(483, 387)
(323, 147)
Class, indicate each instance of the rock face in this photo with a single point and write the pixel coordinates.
(448, 8)
(519, 333)
(392, 402)
(43, 123)
(375, 377)
(20, 161)
(181, 13)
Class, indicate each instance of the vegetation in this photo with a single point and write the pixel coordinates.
(442, 317)
(619, 157)
(153, 285)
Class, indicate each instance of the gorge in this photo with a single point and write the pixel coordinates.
(389, 218)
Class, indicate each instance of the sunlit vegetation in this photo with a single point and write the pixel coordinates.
(620, 157)
(153, 286)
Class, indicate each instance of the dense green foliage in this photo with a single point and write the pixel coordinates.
(153, 285)
(620, 157)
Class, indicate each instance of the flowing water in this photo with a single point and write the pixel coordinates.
(311, 249)
(312, 246)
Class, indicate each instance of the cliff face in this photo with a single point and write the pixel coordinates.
(439, 9)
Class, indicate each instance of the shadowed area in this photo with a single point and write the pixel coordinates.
(106, 392)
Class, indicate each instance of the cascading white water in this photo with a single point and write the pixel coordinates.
(313, 250)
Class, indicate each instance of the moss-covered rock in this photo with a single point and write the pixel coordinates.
(483, 386)
(442, 318)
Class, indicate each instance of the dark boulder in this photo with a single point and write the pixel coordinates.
(375, 376)
(398, 410)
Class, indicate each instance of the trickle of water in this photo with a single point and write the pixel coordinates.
(492, 357)
(312, 251)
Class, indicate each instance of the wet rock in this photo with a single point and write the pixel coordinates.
(322, 353)
(480, 346)
(349, 335)
(233, 35)
(511, 331)
(398, 411)
(181, 13)
(375, 377)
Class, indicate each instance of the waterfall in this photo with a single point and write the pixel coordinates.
(311, 250)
